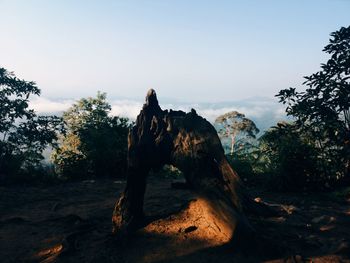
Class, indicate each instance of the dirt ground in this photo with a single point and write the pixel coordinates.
(72, 223)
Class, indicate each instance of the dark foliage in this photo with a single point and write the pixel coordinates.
(322, 110)
(290, 159)
(24, 135)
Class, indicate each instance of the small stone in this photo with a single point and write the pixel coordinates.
(258, 199)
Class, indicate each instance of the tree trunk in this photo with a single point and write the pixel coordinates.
(232, 143)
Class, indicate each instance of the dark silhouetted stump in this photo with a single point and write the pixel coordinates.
(190, 143)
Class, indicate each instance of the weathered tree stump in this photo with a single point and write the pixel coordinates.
(190, 143)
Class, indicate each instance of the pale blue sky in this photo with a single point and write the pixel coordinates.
(187, 50)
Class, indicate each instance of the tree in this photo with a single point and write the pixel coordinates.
(233, 125)
(323, 108)
(24, 135)
(95, 143)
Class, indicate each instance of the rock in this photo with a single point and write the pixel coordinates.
(290, 209)
(258, 199)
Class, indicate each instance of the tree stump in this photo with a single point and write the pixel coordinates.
(190, 143)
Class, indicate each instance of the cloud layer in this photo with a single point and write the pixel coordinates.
(265, 112)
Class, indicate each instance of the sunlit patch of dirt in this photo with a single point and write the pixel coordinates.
(196, 221)
(191, 230)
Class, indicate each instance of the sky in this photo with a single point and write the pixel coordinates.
(187, 50)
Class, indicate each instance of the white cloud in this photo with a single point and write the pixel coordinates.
(46, 106)
(212, 114)
(280, 113)
(126, 108)
(266, 113)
